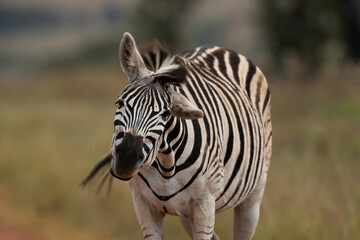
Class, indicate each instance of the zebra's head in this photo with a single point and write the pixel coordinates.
(144, 108)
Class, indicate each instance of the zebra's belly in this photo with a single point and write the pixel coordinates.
(240, 179)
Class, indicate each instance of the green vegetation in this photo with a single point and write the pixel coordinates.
(55, 128)
(309, 29)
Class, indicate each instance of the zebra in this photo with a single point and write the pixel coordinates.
(192, 136)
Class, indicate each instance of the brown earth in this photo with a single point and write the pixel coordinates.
(10, 232)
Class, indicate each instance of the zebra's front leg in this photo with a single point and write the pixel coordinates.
(150, 219)
(203, 219)
(188, 228)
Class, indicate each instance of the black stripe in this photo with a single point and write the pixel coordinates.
(146, 148)
(165, 210)
(195, 153)
(156, 131)
(220, 54)
(267, 141)
(258, 93)
(167, 151)
(234, 63)
(249, 76)
(117, 122)
(153, 140)
(267, 97)
(157, 166)
(174, 133)
(180, 140)
(166, 169)
(209, 59)
(183, 144)
(119, 135)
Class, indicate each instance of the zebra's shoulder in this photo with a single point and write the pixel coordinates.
(230, 67)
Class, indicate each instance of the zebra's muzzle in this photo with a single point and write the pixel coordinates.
(120, 178)
(128, 157)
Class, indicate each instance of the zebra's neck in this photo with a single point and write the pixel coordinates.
(174, 138)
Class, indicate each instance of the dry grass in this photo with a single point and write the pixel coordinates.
(54, 128)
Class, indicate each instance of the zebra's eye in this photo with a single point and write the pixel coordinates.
(120, 102)
(165, 115)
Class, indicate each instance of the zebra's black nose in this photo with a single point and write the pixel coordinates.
(128, 156)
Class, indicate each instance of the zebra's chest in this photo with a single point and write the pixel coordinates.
(175, 195)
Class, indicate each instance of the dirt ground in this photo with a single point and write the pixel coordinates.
(10, 232)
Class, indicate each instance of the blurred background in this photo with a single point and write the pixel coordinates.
(59, 79)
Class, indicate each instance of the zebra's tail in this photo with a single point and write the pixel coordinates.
(101, 167)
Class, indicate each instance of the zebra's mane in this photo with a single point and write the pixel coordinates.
(167, 69)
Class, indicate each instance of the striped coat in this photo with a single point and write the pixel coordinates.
(197, 132)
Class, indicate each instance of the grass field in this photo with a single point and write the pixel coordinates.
(55, 127)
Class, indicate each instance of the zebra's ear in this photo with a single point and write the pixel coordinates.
(130, 60)
(181, 107)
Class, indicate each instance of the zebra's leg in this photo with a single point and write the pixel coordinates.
(246, 215)
(150, 219)
(186, 223)
(203, 219)
(215, 237)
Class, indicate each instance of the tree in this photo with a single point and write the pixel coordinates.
(306, 26)
(351, 27)
(161, 19)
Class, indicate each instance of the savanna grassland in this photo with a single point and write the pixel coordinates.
(54, 128)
